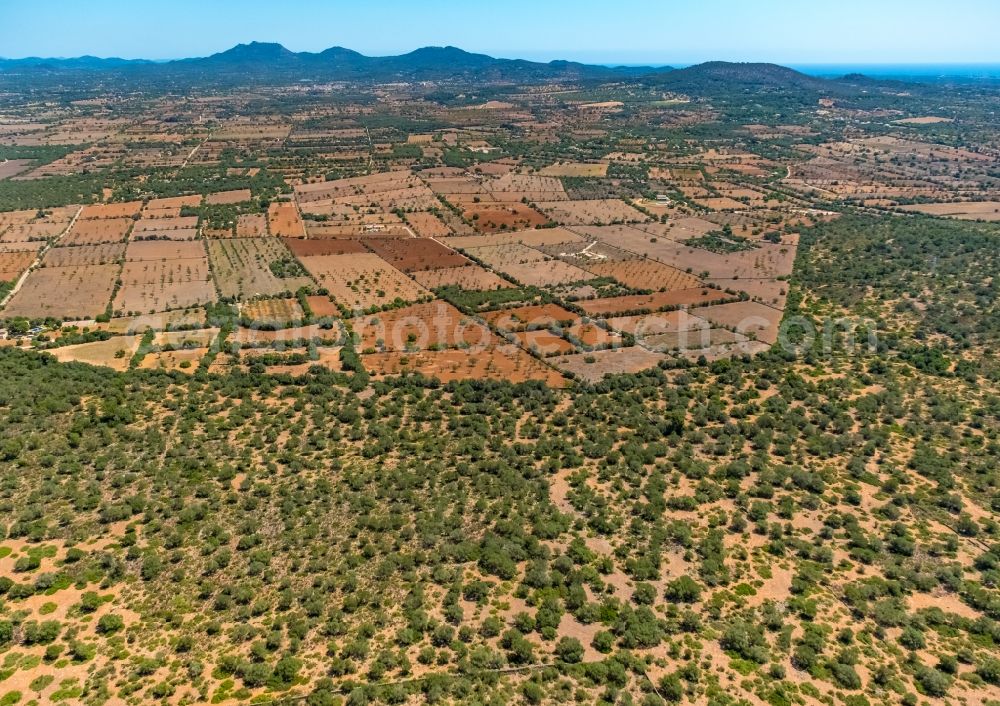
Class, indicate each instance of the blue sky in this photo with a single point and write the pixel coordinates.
(626, 31)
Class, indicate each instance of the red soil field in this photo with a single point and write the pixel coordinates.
(415, 254)
(111, 210)
(322, 306)
(520, 318)
(544, 343)
(12, 264)
(284, 220)
(491, 218)
(652, 302)
(302, 247)
(107, 230)
(434, 324)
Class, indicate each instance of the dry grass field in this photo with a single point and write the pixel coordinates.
(531, 238)
(145, 250)
(427, 225)
(363, 280)
(645, 274)
(160, 285)
(595, 212)
(30, 246)
(966, 210)
(30, 232)
(84, 255)
(695, 339)
(183, 360)
(125, 209)
(200, 338)
(575, 169)
(76, 292)
(115, 353)
(166, 228)
(285, 338)
(593, 366)
(645, 325)
(752, 319)
(226, 197)
(191, 317)
(171, 203)
(470, 277)
(528, 265)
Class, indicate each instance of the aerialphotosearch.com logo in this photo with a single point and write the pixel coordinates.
(550, 332)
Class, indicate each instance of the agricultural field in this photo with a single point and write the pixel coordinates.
(251, 225)
(253, 267)
(149, 286)
(361, 281)
(469, 277)
(427, 225)
(278, 311)
(303, 247)
(283, 220)
(183, 360)
(426, 326)
(493, 218)
(12, 264)
(593, 366)
(78, 291)
(166, 228)
(592, 213)
(114, 353)
(415, 254)
(84, 255)
(971, 210)
(98, 230)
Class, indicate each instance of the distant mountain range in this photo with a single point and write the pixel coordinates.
(262, 62)
(269, 63)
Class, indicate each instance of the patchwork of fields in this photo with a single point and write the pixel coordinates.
(442, 270)
(529, 282)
